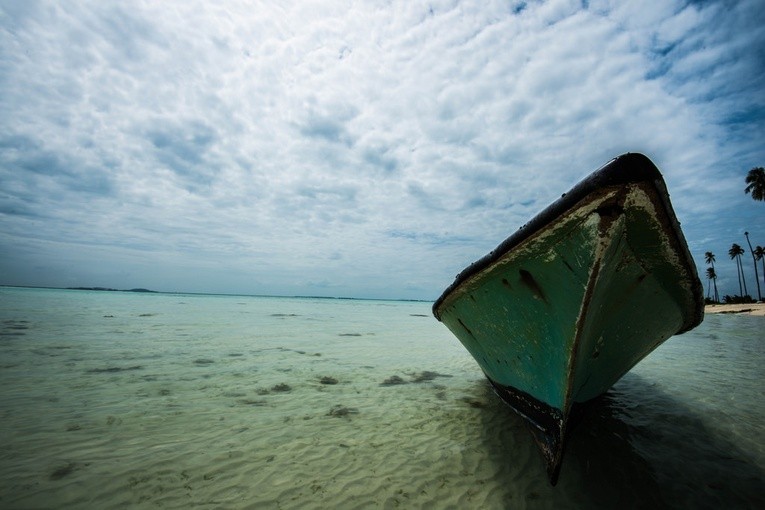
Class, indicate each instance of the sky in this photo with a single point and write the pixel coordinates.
(356, 148)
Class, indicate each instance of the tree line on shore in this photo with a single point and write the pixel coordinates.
(755, 185)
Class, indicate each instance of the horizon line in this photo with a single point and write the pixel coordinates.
(141, 290)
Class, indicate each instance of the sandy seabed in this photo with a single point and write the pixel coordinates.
(164, 401)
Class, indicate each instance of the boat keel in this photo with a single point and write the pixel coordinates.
(546, 423)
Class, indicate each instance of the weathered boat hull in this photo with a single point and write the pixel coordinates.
(564, 307)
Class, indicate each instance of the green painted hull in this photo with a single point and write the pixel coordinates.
(568, 304)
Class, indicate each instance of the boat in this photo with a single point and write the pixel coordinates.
(571, 301)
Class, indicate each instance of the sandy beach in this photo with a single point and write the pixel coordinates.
(745, 308)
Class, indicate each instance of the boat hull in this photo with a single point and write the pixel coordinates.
(568, 304)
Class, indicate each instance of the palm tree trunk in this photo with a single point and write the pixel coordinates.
(738, 273)
(743, 278)
(754, 260)
(757, 279)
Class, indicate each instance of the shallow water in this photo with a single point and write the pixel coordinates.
(155, 400)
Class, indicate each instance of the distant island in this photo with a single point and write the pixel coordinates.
(112, 290)
(149, 291)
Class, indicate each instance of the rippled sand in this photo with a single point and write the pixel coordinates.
(337, 405)
(253, 441)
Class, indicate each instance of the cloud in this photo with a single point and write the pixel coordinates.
(379, 147)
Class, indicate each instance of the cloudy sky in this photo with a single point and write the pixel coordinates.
(362, 149)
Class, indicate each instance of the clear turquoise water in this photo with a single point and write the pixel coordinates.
(155, 400)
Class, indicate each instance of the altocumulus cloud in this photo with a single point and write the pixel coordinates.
(368, 150)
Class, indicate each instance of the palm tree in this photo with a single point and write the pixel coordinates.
(754, 260)
(709, 258)
(712, 277)
(755, 183)
(735, 253)
(759, 254)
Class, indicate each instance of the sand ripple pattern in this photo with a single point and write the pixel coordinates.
(274, 404)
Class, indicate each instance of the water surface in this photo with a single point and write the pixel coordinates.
(112, 399)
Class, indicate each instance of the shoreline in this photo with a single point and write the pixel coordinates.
(757, 309)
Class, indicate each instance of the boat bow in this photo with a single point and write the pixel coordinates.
(569, 303)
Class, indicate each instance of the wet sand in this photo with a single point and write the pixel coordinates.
(757, 309)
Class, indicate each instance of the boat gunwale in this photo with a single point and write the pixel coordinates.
(629, 168)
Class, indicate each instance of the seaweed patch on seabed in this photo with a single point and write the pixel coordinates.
(426, 376)
(339, 411)
(14, 328)
(66, 470)
(279, 388)
(283, 349)
(251, 402)
(416, 377)
(393, 381)
(112, 370)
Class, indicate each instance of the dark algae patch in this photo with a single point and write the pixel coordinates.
(392, 381)
(328, 380)
(113, 370)
(64, 471)
(14, 328)
(339, 411)
(426, 376)
(203, 361)
(417, 377)
(281, 388)
(252, 402)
